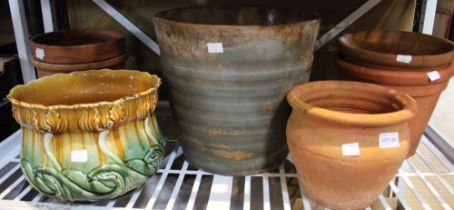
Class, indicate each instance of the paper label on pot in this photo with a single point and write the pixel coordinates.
(388, 140)
(350, 149)
(80, 156)
(433, 75)
(215, 47)
(39, 53)
(403, 58)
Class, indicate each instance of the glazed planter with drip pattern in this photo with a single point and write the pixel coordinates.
(77, 50)
(228, 70)
(347, 140)
(417, 64)
(93, 138)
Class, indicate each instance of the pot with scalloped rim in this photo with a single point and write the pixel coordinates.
(95, 138)
(347, 140)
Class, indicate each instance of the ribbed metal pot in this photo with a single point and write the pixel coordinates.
(229, 70)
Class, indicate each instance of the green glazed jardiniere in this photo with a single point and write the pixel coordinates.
(91, 135)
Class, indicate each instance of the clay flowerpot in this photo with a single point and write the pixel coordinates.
(228, 70)
(416, 82)
(77, 46)
(396, 49)
(347, 140)
(90, 135)
(45, 69)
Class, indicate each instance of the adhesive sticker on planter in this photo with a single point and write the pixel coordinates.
(389, 140)
(351, 149)
(433, 75)
(215, 47)
(403, 58)
(39, 53)
(80, 156)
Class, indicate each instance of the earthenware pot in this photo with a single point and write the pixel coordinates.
(415, 81)
(77, 46)
(347, 140)
(91, 135)
(45, 69)
(228, 70)
(396, 49)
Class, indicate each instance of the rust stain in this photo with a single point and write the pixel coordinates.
(237, 155)
(221, 146)
(118, 145)
(197, 144)
(215, 132)
(267, 106)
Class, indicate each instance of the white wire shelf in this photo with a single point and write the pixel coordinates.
(424, 182)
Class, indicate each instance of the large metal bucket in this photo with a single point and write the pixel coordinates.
(229, 70)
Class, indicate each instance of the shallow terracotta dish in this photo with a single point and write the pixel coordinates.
(393, 48)
(347, 139)
(415, 82)
(45, 69)
(91, 135)
(77, 46)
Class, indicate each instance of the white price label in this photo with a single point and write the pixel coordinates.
(39, 53)
(403, 58)
(351, 149)
(388, 140)
(433, 75)
(80, 156)
(215, 47)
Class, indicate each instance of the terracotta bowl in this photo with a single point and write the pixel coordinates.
(414, 82)
(393, 48)
(77, 46)
(91, 135)
(347, 139)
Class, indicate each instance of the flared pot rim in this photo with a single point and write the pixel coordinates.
(407, 105)
(115, 36)
(347, 41)
(306, 16)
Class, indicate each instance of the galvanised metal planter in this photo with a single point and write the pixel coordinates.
(90, 135)
(229, 70)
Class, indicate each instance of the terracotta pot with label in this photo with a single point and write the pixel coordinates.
(424, 84)
(348, 139)
(415, 63)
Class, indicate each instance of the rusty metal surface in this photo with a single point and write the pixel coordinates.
(230, 107)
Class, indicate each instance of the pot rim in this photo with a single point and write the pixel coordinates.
(310, 16)
(121, 100)
(408, 110)
(58, 67)
(115, 35)
(417, 76)
(392, 56)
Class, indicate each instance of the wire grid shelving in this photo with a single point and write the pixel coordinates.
(424, 181)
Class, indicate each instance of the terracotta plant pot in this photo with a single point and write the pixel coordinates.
(91, 135)
(229, 69)
(347, 140)
(77, 46)
(45, 69)
(393, 48)
(415, 82)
